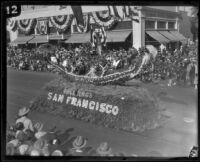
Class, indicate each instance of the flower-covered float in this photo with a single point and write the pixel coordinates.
(102, 97)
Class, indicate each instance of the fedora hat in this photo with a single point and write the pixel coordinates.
(35, 153)
(23, 149)
(10, 149)
(79, 142)
(38, 126)
(57, 153)
(104, 149)
(23, 111)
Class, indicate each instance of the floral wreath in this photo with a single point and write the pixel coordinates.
(61, 23)
(26, 25)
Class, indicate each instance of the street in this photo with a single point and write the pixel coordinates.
(174, 138)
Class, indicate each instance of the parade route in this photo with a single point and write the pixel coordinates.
(174, 138)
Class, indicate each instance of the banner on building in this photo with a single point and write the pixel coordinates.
(42, 26)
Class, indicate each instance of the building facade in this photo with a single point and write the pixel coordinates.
(157, 25)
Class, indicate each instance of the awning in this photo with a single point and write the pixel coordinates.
(22, 40)
(157, 36)
(178, 35)
(79, 38)
(58, 37)
(39, 39)
(117, 36)
(168, 35)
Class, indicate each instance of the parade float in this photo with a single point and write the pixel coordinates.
(102, 98)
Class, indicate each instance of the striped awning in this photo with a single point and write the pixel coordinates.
(178, 35)
(169, 36)
(39, 39)
(117, 36)
(22, 40)
(157, 36)
(79, 38)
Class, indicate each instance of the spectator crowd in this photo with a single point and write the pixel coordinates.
(26, 138)
(179, 66)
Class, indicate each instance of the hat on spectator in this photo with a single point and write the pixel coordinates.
(40, 134)
(23, 149)
(45, 151)
(35, 153)
(10, 149)
(79, 142)
(30, 134)
(19, 126)
(38, 126)
(104, 149)
(57, 153)
(15, 142)
(23, 111)
(21, 136)
(40, 144)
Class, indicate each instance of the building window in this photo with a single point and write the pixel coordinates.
(161, 25)
(149, 24)
(171, 25)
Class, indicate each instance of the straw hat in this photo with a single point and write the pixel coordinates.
(38, 126)
(19, 126)
(40, 144)
(34, 153)
(57, 153)
(23, 149)
(23, 111)
(15, 142)
(10, 149)
(104, 149)
(21, 136)
(79, 142)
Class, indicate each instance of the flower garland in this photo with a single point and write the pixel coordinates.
(104, 19)
(12, 24)
(85, 28)
(61, 23)
(26, 25)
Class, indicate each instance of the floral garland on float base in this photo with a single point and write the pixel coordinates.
(26, 25)
(61, 23)
(12, 24)
(85, 28)
(104, 19)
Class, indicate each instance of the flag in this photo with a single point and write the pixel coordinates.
(104, 36)
(133, 13)
(92, 36)
(114, 11)
(78, 14)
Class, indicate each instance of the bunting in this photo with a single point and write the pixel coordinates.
(61, 23)
(11, 24)
(26, 25)
(104, 19)
(78, 14)
(121, 12)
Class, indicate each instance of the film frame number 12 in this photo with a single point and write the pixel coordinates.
(13, 10)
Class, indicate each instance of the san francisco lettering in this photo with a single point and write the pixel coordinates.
(83, 103)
